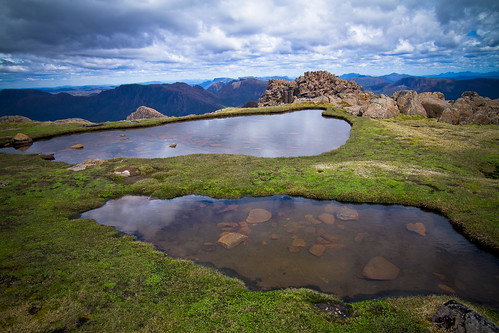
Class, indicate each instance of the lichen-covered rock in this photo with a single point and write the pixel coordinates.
(456, 317)
(86, 165)
(434, 103)
(144, 112)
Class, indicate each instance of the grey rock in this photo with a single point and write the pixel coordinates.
(456, 317)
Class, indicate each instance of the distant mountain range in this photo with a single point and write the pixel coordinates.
(107, 103)
(451, 84)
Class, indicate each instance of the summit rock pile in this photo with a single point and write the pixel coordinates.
(322, 87)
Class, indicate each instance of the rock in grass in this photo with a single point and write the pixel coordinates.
(455, 317)
(86, 165)
(231, 239)
(258, 215)
(378, 268)
(418, 228)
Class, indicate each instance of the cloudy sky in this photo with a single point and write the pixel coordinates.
(76, 42)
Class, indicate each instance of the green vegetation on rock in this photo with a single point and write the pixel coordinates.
(59, 272)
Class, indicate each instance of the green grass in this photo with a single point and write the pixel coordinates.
(58, 272)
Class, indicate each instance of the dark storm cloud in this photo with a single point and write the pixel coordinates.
(166, 39)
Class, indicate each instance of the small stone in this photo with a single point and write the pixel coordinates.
(378, 268)
(208, 244)
(232, 225)
(258, 215)
(322, 241)
(446, 288)
(231, 239)
(327, 218)
(317, 250)
(293, 230)
(440, 276)
(173, 145)
(347, 214)
(329, 237)
(418, 228)
(264, 243)
(294, 249)
(298, 242)
(274, 236)
(77, 146)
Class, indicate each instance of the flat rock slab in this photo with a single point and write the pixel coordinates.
(378, 268)
(418, 228)
(347, 214)
(86, 165)
(258, 215)
(77, 146)
(231, 239)
(327, 218)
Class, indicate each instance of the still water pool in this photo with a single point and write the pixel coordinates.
(352, 251)
(300, 133)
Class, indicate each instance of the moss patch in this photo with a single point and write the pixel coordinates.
(62, 273)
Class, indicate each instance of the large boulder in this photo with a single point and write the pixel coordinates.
(143, 112)
(15, 119)
(409, 102)
(472, 108)
(434, 103)
(382, 107)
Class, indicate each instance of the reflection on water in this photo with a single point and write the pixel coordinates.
(351, 251)
(301, 133)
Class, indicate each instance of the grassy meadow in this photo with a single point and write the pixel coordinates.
(59, 273)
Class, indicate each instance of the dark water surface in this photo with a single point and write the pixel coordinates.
(278, 253)
(300, 133)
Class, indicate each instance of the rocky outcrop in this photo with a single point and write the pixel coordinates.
(472, 108)
(143, 112)
(318, 87)
(15, 119)
(322, 87)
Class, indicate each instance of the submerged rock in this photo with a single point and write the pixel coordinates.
(258, 215)
(456, 317)
(378, 268)
(317, 250)
(326, 218)
(418, 228)
(231, 239)
(347, 214)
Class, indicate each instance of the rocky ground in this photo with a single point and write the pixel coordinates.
(326, 88)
